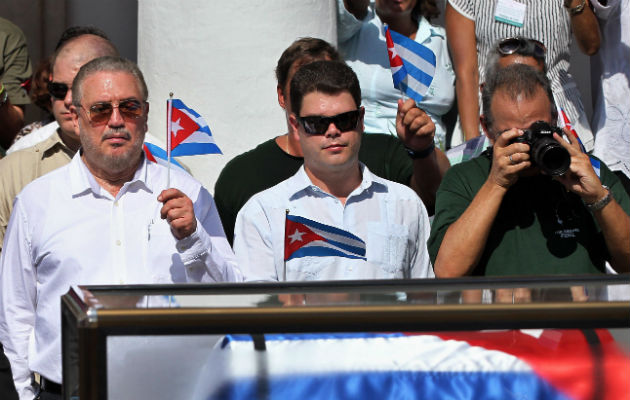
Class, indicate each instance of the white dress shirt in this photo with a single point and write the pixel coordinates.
(387, 216)
(67, 230)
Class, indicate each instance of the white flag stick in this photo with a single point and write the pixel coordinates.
(169, 113)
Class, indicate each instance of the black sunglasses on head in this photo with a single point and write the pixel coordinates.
(512, 45)
(318, 125)
(58, 90)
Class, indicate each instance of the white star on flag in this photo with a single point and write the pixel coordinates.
(176, 127)
(297, 236)
(393, 52)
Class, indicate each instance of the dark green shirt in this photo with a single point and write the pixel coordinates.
(540, 227)
(267, 165)
(15, 64)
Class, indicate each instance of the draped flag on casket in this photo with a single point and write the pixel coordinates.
(304, 237)
(510, 364)
(411, 63)
(189, 133)
(158, 155)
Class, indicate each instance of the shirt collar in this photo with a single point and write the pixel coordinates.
(426, 30)
(82, 181)
(51, 143)
(301, 182)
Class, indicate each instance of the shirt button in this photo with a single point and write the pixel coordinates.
(116, 203)
(117, 242)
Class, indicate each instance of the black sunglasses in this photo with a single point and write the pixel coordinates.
(100, 113)
(318, 125)
(512, 45)
(58, 90)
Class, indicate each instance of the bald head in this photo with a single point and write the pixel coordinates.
(84, 48)
(66, 62)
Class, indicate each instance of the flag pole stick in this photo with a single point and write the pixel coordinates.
(284, 277)
(169, 113)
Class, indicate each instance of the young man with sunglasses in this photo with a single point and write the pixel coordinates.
(55, 143)
(279, 158)
(498, 214)
(105, 218)
(336, 193)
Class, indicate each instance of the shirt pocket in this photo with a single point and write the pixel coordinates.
(387, 247)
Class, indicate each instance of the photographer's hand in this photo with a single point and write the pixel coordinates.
(508, 159)
(581, 178)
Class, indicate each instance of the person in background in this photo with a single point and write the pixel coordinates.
(279, 158)
(333, 219)
(610, 80)
(499, 214)
(474, 26)
(61, 142)
(360, 26)
(40, 97)
(15, 72)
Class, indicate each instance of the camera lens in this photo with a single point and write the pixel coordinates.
(550, 156)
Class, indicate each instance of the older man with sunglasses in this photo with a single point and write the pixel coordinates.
(105, 218)
(53, 145)
(333, 219)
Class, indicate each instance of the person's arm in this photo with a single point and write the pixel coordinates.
(582, 180)
(253, 243)
(463, 44)
(201, 241)
(18, 296)
(358, 8)
(11, 119)
(584, 26)
(465, 239)
(416, 130)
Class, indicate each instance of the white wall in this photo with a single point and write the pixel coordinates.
(219, 58)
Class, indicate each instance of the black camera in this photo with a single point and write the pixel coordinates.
(544, 151)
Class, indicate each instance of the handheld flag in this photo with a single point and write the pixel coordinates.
(189, 134)
(412, 64)
(158, 155)
(304, 237)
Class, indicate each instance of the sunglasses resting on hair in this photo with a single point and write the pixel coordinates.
(100, 113)
(511, 45)
(318, 125)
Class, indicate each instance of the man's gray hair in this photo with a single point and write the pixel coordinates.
(515, 80)
(109, 64)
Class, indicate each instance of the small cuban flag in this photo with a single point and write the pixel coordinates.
(158, 155)
(412, 64)
(189, 133)
(305, 237)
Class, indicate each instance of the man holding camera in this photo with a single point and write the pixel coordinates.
(501, 214)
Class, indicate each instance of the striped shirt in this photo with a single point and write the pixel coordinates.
(546, 21)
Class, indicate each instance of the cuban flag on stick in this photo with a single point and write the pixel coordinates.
(304, 237)
(188, 132)
(412, 64)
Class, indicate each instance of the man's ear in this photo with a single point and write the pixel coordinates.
(484, 126)
(74, 113)
(281, 98)
(295, 127)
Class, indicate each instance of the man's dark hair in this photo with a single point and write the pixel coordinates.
(306, 49)
(76, 31)
(515, 80)
(329, 77)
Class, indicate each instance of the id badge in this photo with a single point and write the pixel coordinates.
(510, 12)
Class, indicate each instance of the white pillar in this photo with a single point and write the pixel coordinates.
(219, 57)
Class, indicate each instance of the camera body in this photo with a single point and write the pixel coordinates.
(544, 151)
